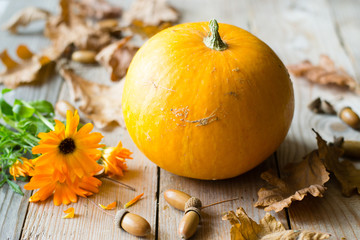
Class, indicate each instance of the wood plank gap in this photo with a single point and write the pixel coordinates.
(157, 204)
(279, 176)
(26, 213)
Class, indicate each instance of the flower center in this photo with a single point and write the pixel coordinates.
(67, 146)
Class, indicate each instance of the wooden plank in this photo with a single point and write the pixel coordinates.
(299, 30)
(212, 227)
(13, 207)
(244, 186)
(347, 20)
(44, 219)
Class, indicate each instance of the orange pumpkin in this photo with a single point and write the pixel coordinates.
(204, 106)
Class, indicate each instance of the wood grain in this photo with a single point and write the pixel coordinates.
(90, 222)
(13, 207)
(299, 30)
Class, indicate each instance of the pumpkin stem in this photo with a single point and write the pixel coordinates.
(213, 40)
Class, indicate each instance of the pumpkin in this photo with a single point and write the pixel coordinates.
(207, 101)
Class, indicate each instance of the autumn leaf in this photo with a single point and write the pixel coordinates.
(98, 9)
(116, 57)
(305, 177)
(100, 103)
(244, 228)
(148, 17)
(109, 206)
(69, 29)
(345, 171)
(325, 73)
(70, 213)
(25, 17)
(321, 106)
(31, 69)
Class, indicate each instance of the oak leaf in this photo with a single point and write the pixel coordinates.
(25, 17)
(69, 29)
(116, 57)
(31, 69)
(98, 9)
(345, 171)
(100, 103)
(305, 177)
(325, 73)
(148, 17)
(244, 228)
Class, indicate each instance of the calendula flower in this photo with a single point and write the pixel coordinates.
(70, 213)
(25, 167)
(72, 152)
(114, 160)
(64, 190)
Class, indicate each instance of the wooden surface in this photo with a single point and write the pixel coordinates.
(296, 30)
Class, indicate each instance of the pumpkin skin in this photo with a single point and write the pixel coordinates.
(203, 113)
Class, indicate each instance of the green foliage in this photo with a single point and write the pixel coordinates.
(23, 122)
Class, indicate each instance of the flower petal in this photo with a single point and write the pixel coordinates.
(70, 213)
(133, 201)
(108, 207)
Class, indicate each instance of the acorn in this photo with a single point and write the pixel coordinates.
(350, 118)
(132, 223)
(192, 207)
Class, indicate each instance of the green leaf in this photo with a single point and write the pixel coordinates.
(15, 187)
(43, 106)
(2, 182)
(21, 110)
(5, 108)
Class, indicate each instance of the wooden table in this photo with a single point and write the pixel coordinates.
(296, 30)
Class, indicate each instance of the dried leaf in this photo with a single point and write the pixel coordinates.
(322, 107)
(25, 17)
(108, 207)
(116, 57)
(305, 177)
(98, 9)
(70, 213)
(150, 16)
(31, 69)
(244, 228)
(345, 171)
(133, 201)
(100, 103)
(70, 29)
(325, 73)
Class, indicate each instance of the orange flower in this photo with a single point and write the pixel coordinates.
(23, 168)
(70, 151)
(65, 191)
(114, 159)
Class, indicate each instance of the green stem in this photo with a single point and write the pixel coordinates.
(45, 121)
(213, 40)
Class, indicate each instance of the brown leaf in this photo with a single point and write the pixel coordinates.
(25, 17)
(70, 29)
(116, 57)
(98, 9)
(322, 107)
(345, 171)
(31, 69)
(100, 103)
(325, 73)
(305, 177)
(244, 228)
(150, 16)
